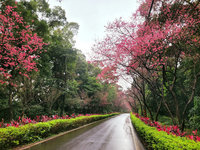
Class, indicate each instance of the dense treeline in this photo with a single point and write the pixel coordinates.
(159, 50)
(61, 80)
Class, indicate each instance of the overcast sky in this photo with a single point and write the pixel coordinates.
(92, 16)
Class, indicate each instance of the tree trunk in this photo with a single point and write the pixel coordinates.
(63, 104)
(189, 101)
(141, 107)
(163, 94)
(157, 112)
(170, 113)
(10, 104)
(136, 109)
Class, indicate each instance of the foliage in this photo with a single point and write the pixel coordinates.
(165, 120)
(25, 120)
(161, 140)
(19, 45)
(160, 52)
(15, 136)
(50, 79)
(194, 114)
(174, 130)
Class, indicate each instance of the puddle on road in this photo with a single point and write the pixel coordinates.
(56, 143)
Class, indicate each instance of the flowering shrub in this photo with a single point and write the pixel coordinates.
(30, 132)
(174, 130)
(43, 118)
(156, 139)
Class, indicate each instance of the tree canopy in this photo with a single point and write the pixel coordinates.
(160, 51)
(41, 73)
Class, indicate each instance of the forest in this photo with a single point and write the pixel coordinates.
(41, 71)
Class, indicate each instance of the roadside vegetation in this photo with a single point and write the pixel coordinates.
(41, 72)
(33, 131)
(156, 136)
(157, 51)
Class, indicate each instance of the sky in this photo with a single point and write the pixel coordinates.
(92, 17)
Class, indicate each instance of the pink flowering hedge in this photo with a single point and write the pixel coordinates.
(26, 120)
(26, 131)
(158, 137)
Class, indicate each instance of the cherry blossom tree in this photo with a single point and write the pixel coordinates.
(19, 48)
(154, 47)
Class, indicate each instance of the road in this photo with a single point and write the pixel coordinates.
(114, 134)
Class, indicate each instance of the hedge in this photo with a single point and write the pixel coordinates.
(16, 136)
(160, 140)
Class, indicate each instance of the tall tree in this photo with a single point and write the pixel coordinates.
(157, 46)
(19, 48)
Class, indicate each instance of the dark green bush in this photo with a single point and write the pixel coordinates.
(13, 136)
(160, 140)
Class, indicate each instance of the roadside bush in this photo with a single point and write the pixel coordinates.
(160, 140)
(16, 136)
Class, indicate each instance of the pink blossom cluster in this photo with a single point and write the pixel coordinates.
(25, 120)
(172, 129)
(145, 43)
(20, 47)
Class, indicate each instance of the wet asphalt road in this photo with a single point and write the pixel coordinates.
(114, 134)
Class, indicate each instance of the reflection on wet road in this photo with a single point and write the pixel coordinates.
(113, 134)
